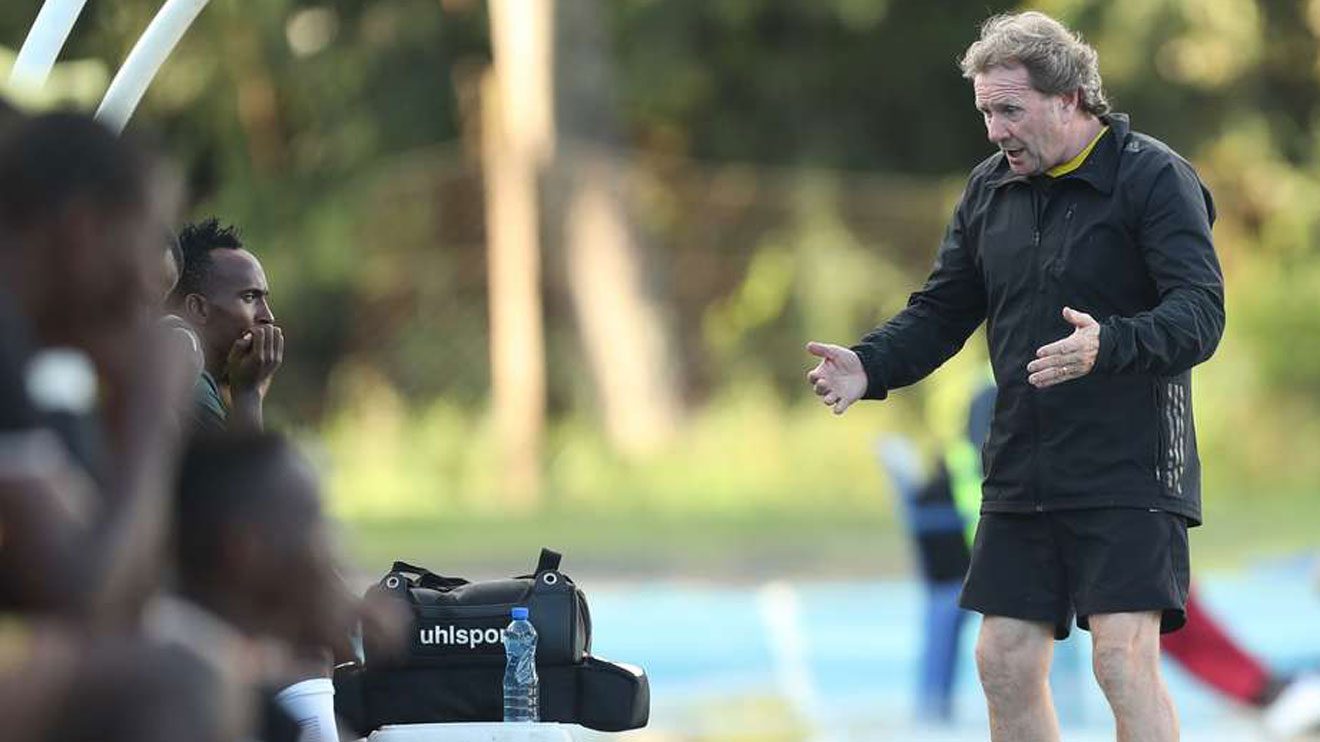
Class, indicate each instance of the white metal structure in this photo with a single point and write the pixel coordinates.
(45, 39)
(145, 60)
(51, 30)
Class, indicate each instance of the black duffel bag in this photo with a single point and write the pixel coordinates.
(452, 669)
(597, 694)
(457, 622)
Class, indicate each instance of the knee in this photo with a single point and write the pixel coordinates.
(1008, 672)
(1118, 666)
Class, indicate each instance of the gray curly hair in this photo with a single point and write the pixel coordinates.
(1056, 59)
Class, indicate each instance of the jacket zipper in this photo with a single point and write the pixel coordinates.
(1065, 248)
(1038, 205)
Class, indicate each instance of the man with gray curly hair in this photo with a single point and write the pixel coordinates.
(1085, 247)
(1032, 51)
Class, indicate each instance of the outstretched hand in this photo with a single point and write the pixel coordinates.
(839, 379)
(1070, 358)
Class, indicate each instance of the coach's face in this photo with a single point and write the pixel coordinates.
(1026, 124)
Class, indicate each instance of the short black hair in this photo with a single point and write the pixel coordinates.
(196, 241)
(50, 161)
(226, 479)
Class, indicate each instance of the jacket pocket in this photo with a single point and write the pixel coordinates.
(1066, 246)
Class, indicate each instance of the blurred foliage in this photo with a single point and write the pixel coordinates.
(790, 164)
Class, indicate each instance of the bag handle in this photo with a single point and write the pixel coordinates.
(549, 561)
(427, 578)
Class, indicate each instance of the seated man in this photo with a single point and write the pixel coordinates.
(178, 336)
(222, 294)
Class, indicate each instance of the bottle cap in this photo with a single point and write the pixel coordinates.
(520, 613)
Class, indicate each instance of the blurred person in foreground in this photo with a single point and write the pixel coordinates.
(86, 387)
(121, 689)
(256, 579)
(223, 295)
(1086, 247)
(88, 384)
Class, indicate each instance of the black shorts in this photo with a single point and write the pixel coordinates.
(1050, 566)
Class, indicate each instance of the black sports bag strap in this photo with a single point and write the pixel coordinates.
(549, 561)
(427, 578)
(586, 619)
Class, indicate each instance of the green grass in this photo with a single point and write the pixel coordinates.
(1240, 528)
(755, 546)
(754, 486)
(758, 545)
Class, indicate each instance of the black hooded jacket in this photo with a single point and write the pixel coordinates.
(1125, 238)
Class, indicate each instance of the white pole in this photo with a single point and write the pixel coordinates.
(42, 47)
(781, 612)
(150, 52)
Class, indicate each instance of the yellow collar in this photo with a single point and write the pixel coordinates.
(1077, 161)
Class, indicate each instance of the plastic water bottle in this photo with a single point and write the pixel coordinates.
(521, 693)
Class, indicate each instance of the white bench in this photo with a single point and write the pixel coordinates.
(472, 732)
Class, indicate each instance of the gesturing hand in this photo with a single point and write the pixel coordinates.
(839, 379)
(1070, 358)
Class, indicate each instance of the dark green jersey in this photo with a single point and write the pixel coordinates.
(209, 412)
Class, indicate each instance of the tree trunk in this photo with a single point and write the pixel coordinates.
(516, 136)
(621, 325)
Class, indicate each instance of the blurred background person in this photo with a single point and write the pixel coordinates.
(180, 336)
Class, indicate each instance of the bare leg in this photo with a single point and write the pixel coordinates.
(1127, 666)
(1013, 658)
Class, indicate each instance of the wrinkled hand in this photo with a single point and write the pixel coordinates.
(254, 358)
(839, 379)
(1070, 358)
